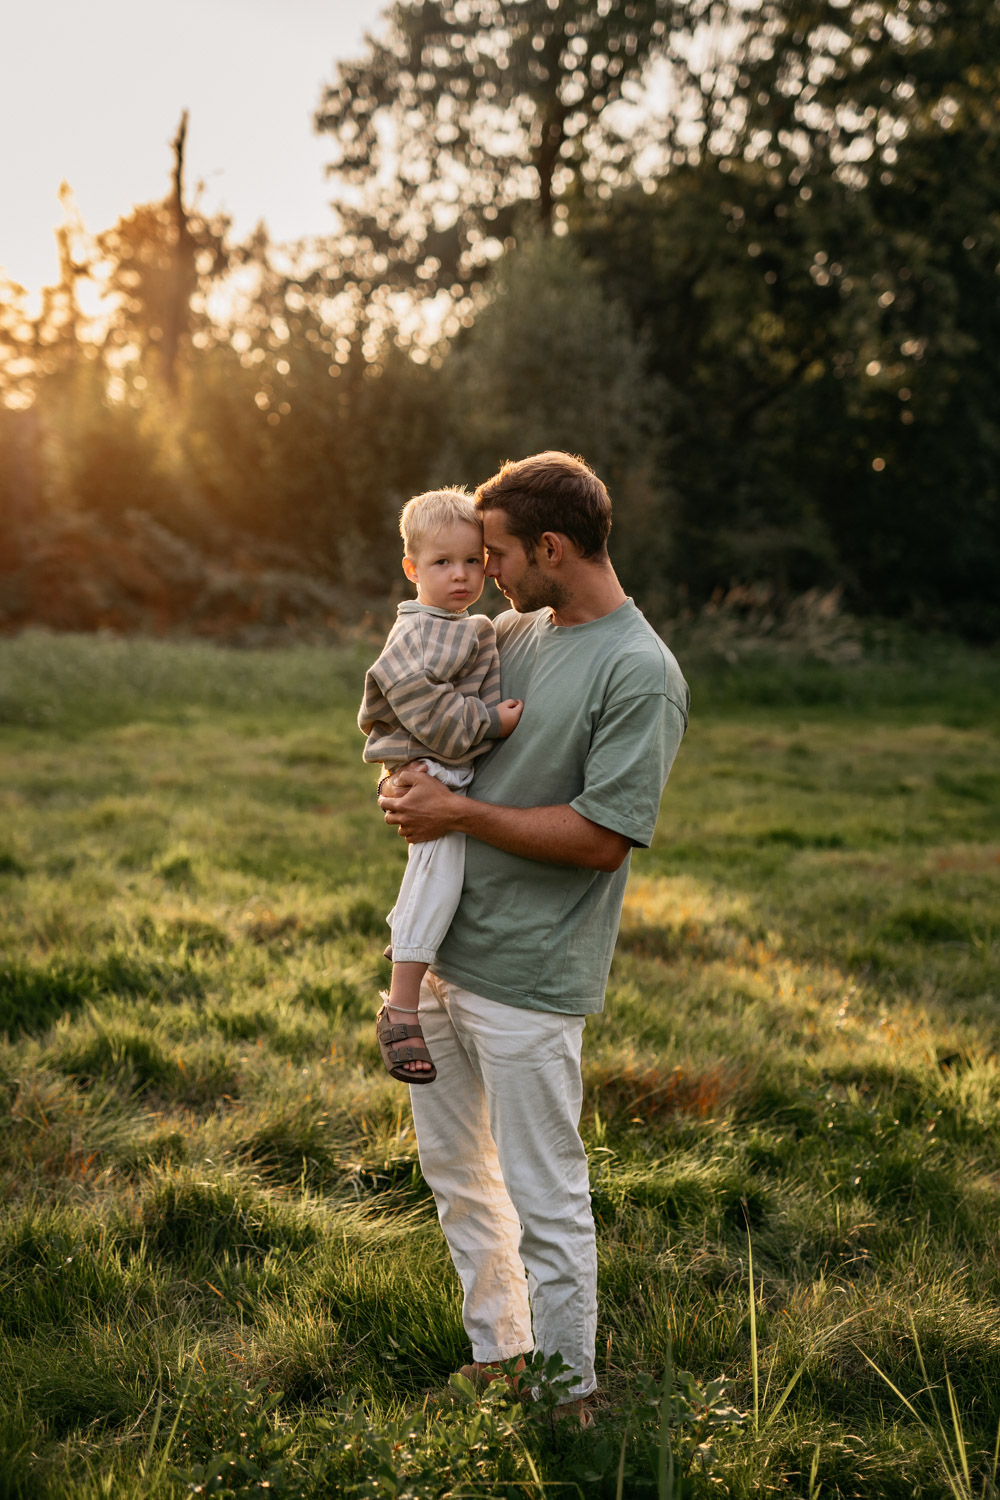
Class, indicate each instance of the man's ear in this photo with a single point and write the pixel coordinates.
(552, 545)
(410, 569)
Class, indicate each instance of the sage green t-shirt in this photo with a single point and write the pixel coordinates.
(605, 707)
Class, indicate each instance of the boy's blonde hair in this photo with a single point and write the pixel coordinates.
(426, 514)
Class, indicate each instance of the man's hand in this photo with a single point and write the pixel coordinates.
(419, 805)
(510, 712)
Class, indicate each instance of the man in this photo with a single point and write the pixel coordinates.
(551, 818)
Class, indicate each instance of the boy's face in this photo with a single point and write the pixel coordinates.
(449, 567)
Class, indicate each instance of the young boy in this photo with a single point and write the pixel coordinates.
(434, 696)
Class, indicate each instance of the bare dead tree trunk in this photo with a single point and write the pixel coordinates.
(179, 300)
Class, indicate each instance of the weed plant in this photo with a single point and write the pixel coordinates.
(220, 1270)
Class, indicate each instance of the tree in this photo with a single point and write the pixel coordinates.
(462, 111)
(838, 84)
(162, 258)
(743, 339)
(895, 104)
(822, 286)
(552, 362)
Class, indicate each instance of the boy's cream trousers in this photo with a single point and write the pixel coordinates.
(431, 887)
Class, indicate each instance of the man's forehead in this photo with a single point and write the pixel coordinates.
(495, 528)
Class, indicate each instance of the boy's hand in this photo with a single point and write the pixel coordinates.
(420, 806)
(510, 711)
(390, 787)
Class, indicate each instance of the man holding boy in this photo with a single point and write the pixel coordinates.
(551, 818)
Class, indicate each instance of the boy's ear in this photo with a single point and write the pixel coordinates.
(410, 569)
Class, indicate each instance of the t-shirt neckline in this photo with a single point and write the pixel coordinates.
(550, 627)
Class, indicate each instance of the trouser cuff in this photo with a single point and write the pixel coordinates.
(490, 1354)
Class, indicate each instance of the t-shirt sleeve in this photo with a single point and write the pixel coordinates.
(628, 763)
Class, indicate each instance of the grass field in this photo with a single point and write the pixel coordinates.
(220, 1272)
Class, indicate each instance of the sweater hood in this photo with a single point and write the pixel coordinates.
(414, 607)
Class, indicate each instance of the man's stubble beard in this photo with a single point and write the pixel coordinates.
(537, 592)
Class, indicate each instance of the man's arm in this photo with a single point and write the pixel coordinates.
(555, 835)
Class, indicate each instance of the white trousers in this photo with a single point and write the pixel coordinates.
(432, 884)
(500, 1149)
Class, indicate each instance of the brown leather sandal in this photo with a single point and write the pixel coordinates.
(395, 1057)
(482, 1373)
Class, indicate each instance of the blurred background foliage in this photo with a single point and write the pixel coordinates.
(743, 257)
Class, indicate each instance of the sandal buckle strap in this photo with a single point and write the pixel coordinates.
(400, 1033)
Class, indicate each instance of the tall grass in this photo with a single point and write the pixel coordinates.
(220, 1270)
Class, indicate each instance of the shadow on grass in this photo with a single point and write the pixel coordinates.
(32, 997)
(196, 1220)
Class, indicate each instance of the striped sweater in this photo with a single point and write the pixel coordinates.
(434, 690)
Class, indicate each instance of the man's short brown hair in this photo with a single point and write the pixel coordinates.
(550, 491)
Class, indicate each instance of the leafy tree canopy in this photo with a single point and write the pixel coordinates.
(458, 113)
(462, 111)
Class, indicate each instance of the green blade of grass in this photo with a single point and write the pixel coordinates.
(665, 1471)
(620, 1486)
(956, 1422)
(165, 1455)
(814, 1488)
(753, 1337)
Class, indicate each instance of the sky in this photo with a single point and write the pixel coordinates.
(93, 91)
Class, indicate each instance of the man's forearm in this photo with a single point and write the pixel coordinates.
(555, 835)
(422, 809)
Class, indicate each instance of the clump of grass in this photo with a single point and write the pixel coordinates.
(195, 1220)
(33, 996)
(292, 1146)
(132, 1058)
(945, 1429)
(10, 865)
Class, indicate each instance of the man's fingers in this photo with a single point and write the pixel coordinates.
(409, 774)
(389, 801)
(395, 820)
